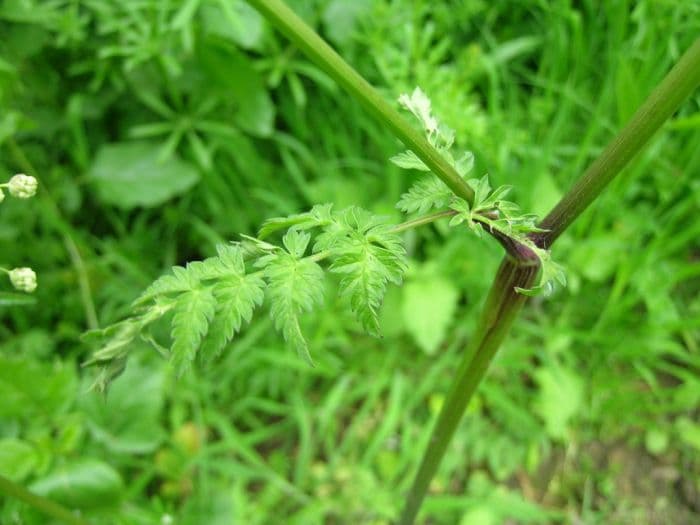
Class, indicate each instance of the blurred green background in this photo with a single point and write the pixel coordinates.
(159, 128)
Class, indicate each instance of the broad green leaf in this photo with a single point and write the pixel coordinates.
(656, 441)
(480, 514)
(559, 398)
(235, 20)
(129, 174)
(30, 389)
(689, 432)
(340, 18)
(17, 459)
(544, 194)
(232, 72)
(428, 308)
(218, 508)
(127, 419)
(596, 258)
(83, 484)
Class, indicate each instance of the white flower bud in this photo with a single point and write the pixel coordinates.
(23, 279)
(2, 195)
(22, 186)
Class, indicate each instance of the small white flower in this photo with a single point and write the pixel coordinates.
(22, 186)
(2, 195)
(418, 103)
(23, 279)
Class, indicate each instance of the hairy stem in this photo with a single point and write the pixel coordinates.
(502, 306)
(277, 12)
(678, 84)
(48, 507)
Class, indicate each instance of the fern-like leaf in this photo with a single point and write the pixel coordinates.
(236, 298)
(424, 195)
(409, 161)
(368, 259)
(319, 215)
(191, 317)
(180, 281)
(295, 286)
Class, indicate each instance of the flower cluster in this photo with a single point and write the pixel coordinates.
(23, 279)
(21, 186)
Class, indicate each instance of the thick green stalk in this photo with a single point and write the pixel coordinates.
(502, 306)
(48, 507)
(678, 84)
(332, 63)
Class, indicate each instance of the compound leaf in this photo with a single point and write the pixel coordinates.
(424, 195)
(236, 299)
(294, 286)
(192, 314)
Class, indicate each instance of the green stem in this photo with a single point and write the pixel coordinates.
(333, 64)
(504, 303)
(420, 221)
(678, 84)
(502, 306)
(48, 507)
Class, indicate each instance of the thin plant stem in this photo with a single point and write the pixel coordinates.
(678, 84)
(500, 310)
(420, 221)
(46, 506)
(294, 28)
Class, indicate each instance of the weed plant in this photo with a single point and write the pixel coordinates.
(160, 130)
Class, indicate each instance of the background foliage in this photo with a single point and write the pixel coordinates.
(160, 128)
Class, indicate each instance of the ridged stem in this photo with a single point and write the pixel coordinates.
(665, 100)
(500, 310)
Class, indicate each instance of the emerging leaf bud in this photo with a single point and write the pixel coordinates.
(23, 279)
(22, 186)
